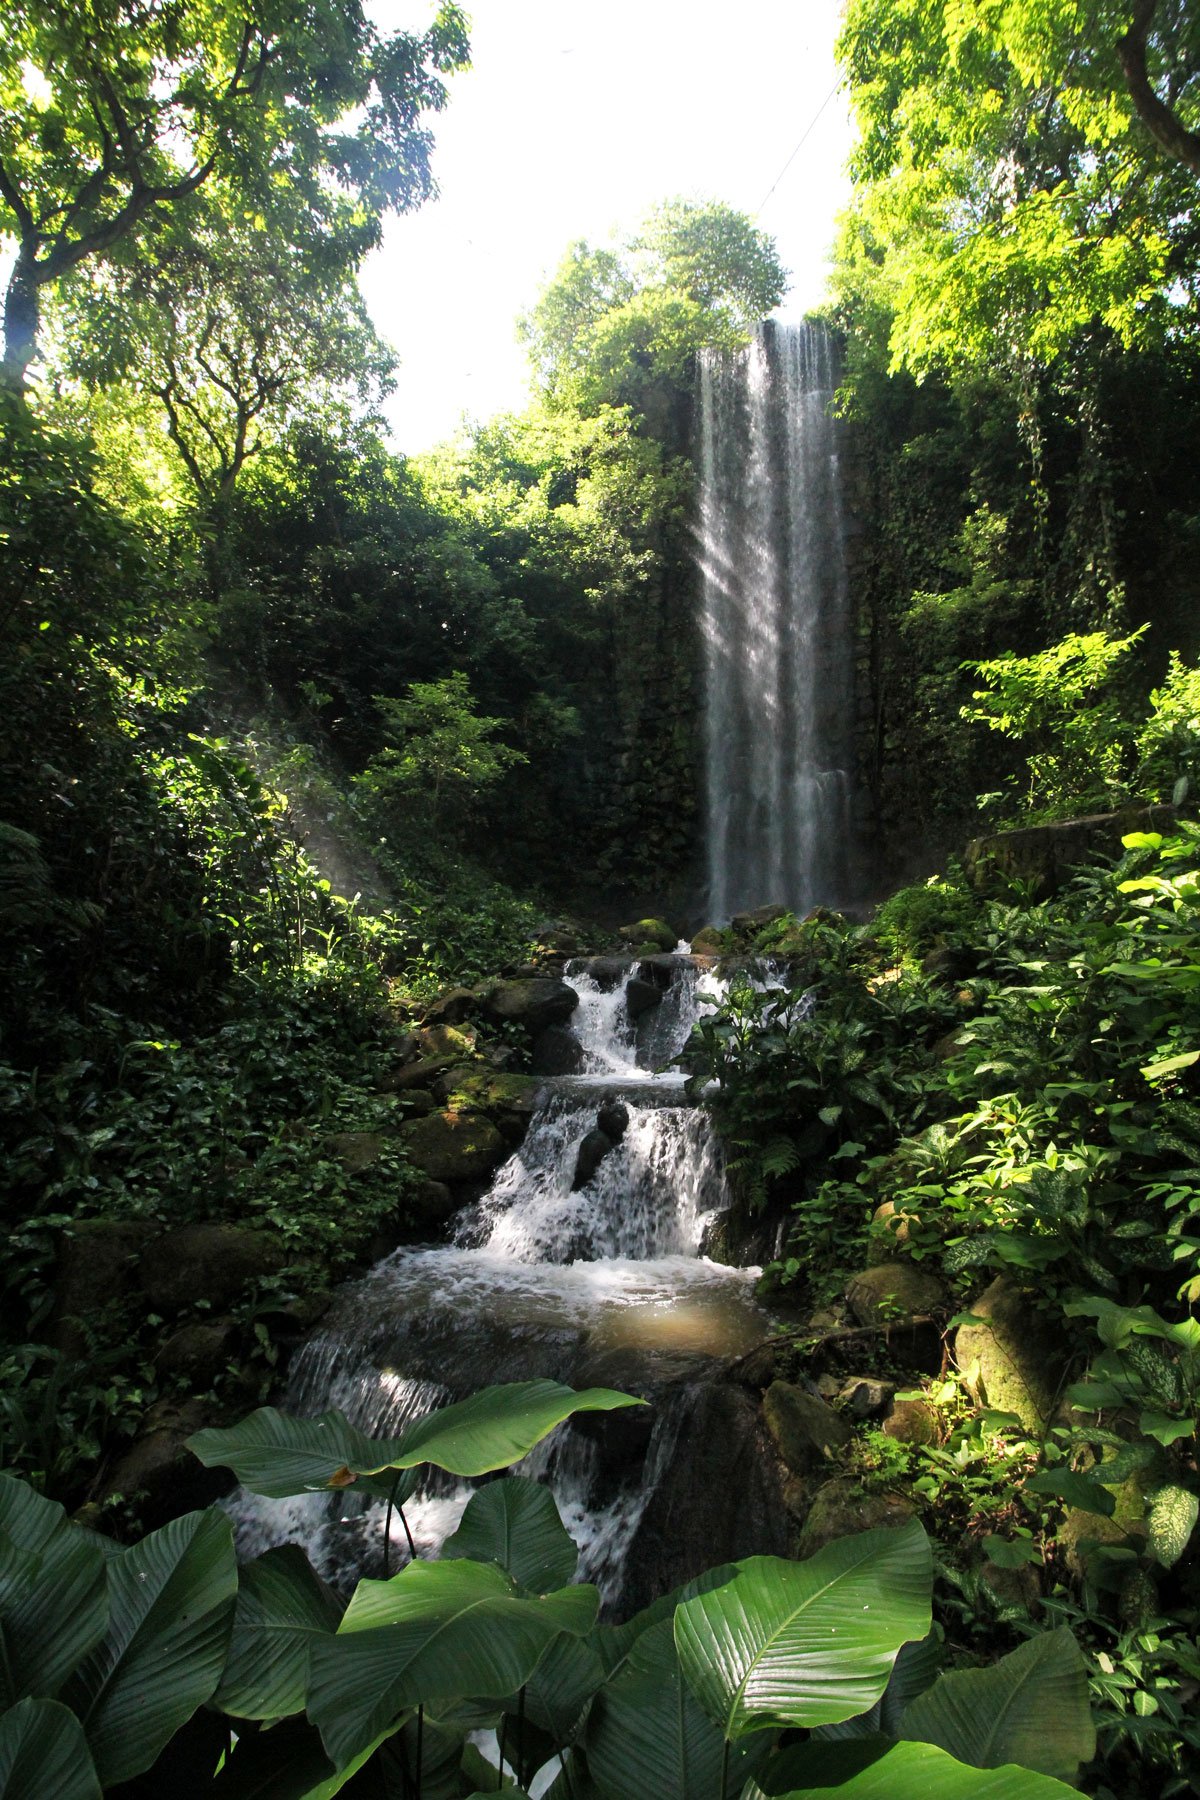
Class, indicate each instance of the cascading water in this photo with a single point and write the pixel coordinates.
(593, 1281)
(775, 616)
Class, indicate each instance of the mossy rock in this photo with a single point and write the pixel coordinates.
(805, 1430)
(357, 1150)
(446, 1040)
(476, 1087)
(1012, 1360)
(649, 934)
(710, 941)
(209, 1262)
(454, 1146)
(535, 1002)
(894, 1290)
(842, 1508)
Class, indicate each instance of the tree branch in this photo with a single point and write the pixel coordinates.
(1163, 124)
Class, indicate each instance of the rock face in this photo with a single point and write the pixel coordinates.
(1012, 1360)
(640, 996)
(207, 1262)
(1046, 854)
(894, 1290)
(454, 1146)
(536, 1003)
(805, 1430)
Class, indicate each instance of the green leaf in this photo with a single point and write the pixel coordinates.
(647, 1734)
(515, 1523)
(1164, 1429)
(1031, 1708)
(288, 1762)
(43, 1753)
(1173, 1514)
(911, 1771)
(171, 1601)
(53, 1597)
(273, 1454)
(437, 1631)
(559, 1689)
(282, 1604)
(1010, 1553)
(1170, 1065)
(809, 1643)
(1076, 1490)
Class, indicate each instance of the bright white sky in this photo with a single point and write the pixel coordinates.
(574, 121)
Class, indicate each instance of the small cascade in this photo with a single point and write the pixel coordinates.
(586, 1274)
(775, 615)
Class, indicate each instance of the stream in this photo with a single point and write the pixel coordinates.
(598, 1284)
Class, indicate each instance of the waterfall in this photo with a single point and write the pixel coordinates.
(779, 690)
(591, 1276)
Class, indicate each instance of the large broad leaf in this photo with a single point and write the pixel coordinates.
(437, 1631)
(288, 1762)
(807, 1643)
(907, 1772)
(43, 1752)
(515, 1523)
(282, 1604)
(646, 1733)
(275, 1455)
(612, 1643)
(559, 1689)
(1029, 1708)
(53, 1598)
(171, 1601)
(916, 1668)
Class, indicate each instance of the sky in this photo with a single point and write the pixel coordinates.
(574, 121)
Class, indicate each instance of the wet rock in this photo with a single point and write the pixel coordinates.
(913, 1422)
(534, 1004)
(454, 1146)
(430, 1201)
(805, 1430)
(719, 1498)
(840, 1508)
(198, 1353)
(212, 1263)
(159, 1473)
(613, 1120)
(640, 996)
(1012, 1361)
(650, 931)
(592, 1151)
(608, 972)
(97, 1264)
(556, 1051)
(662, 971)
(759, 1367)
(892, 1290)
(452, 1007)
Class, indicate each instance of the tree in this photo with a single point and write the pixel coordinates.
(694, 275)
(114, 113)
(1008, 188)
(442, 757)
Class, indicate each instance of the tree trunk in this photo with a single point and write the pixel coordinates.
(22, 310)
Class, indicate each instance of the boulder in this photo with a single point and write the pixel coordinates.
(894, 1290)
(159, 1473)
(913, 1422)
(213, 1263)
(356, 1150)
(864, 1397)
(452, 1007)
(607, 972)
(446, 1040)
(454, 1146)
(508, 1100)
(709, 941)
(805, 1430)
(950, 963)
(650, 931)
(841, 1508)
(613, 1120)
(535, 1004)
(661, 970)
(556, 1051)
(640, 996)
(97, 1263)
(1012, 1361)
(417, 1074)
(592, 1151)
(890, 1232)
(198, 1353)
(430, 1201)
(1045, 855)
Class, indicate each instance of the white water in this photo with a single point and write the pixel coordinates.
(776, 623)
(601, 1285)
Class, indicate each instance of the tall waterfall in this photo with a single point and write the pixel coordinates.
(776, 622)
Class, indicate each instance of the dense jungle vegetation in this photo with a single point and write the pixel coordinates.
(297, 733)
